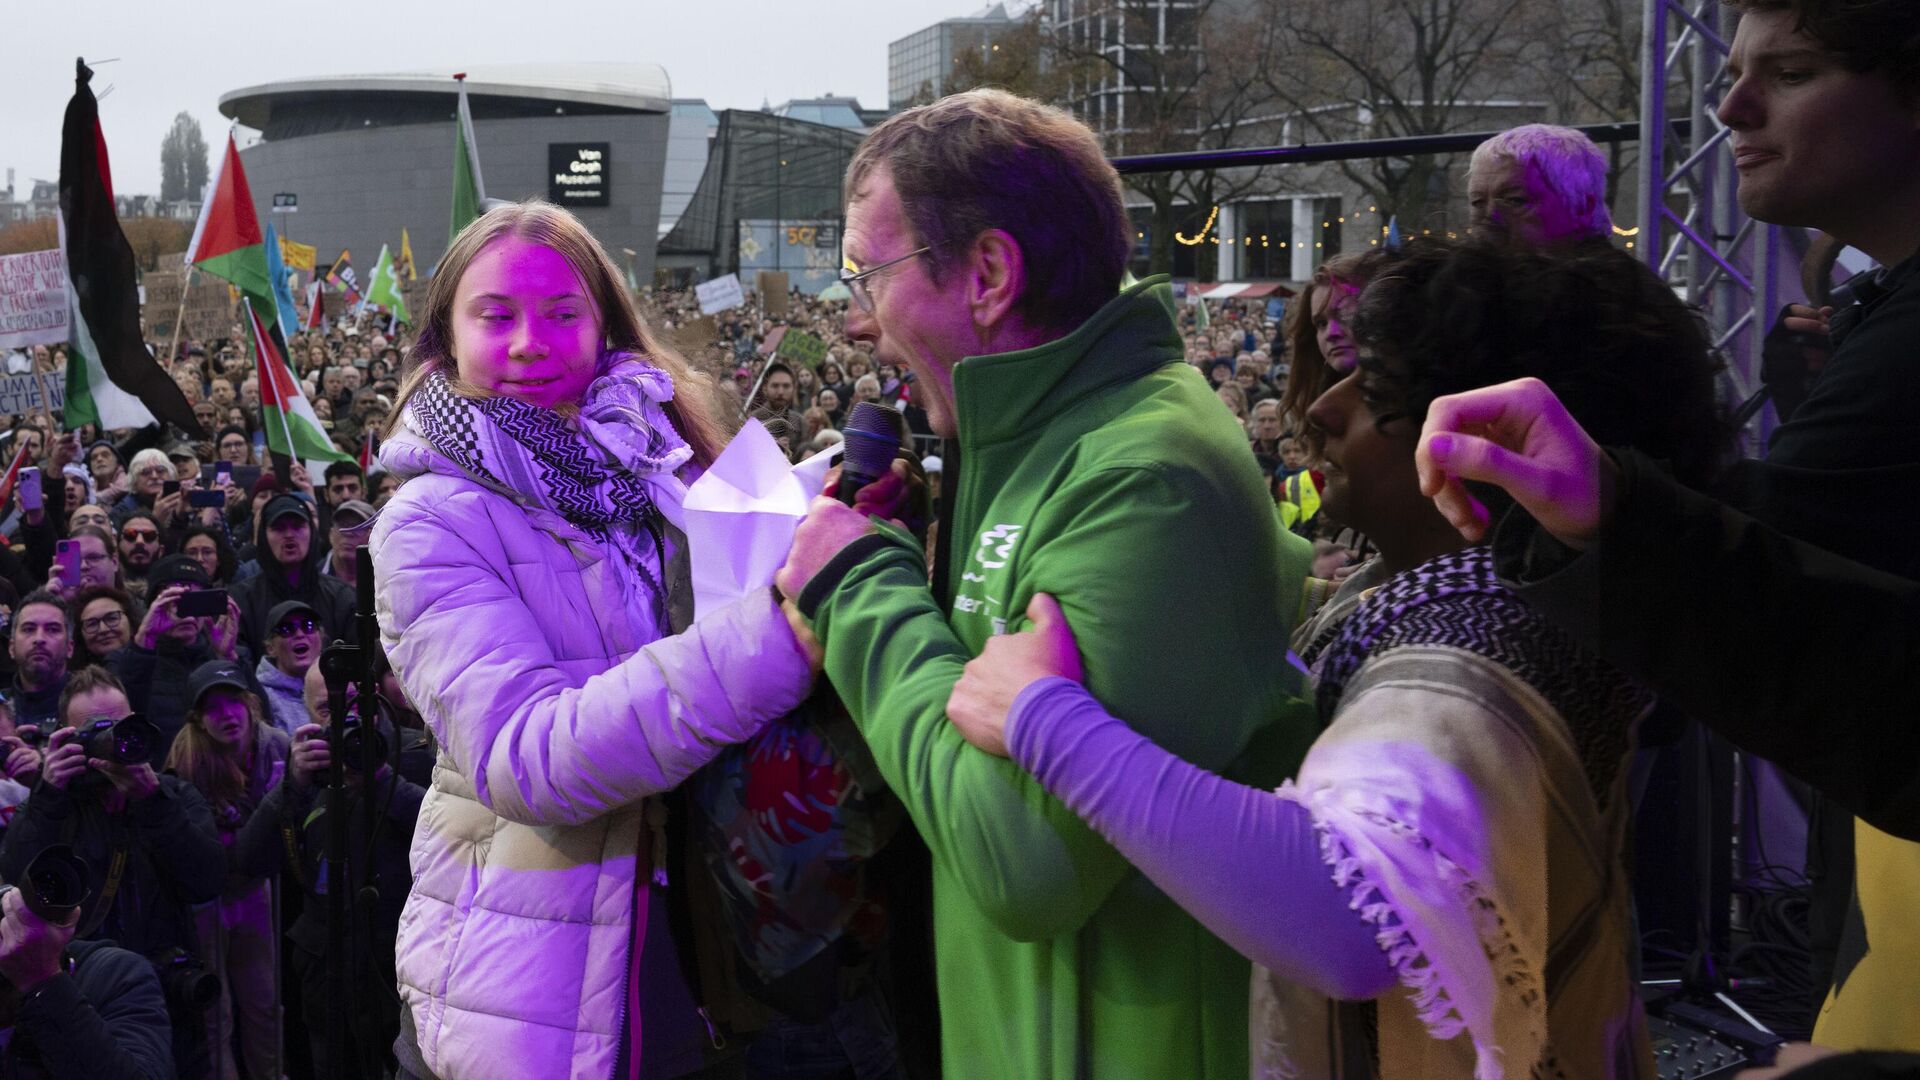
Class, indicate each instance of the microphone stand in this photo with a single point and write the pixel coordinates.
(347, 962)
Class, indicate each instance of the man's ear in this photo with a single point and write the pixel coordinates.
(996, 277)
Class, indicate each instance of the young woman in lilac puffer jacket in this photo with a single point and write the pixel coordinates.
(534, 599)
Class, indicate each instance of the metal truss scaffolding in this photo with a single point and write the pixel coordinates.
(1692, 231)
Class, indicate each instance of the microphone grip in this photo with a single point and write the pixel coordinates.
(850, 484)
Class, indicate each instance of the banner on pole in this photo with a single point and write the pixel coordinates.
(803, 347)
(209, 310)
(297, 256)
(33, 299)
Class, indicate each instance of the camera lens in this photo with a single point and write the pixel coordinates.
(56, 883)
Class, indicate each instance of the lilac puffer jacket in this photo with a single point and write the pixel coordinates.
(559, 706)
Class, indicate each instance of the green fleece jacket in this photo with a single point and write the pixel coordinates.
(1101, 469)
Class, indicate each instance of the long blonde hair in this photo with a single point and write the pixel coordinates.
(215, 769)
(539, 222)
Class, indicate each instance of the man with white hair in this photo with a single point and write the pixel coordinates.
(1540, 184)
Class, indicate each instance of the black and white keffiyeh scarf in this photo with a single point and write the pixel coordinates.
(1457, 600)
(590, 469)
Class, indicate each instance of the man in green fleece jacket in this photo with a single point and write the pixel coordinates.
(986, 241)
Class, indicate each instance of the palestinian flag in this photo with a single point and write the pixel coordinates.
(293, 430)
(112, 380)
(228, 241)
(316, 308)
(370, 453)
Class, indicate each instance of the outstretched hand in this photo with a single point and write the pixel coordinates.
(1519, 437)
(1009, 664)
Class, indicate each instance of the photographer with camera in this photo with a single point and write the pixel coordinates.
(78, 1010)
(296, 810)
(147, 839)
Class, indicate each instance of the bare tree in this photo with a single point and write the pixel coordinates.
(1165, 76)
(1590, 70)
(1016, 60)
(183, 160)
(1395, 68)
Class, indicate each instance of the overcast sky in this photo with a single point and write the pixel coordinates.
(176, 55)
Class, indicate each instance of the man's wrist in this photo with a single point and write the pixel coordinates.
(32, 983)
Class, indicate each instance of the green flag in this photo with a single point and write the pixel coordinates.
(383, 288)
(469, 190)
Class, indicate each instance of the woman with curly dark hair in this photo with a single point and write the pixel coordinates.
(1462, 818)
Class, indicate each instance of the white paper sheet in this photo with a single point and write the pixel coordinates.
(742, 513)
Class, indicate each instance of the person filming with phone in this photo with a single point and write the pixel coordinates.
(188, 623)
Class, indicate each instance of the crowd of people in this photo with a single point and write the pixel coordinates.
(167, 599)
(1249, 677)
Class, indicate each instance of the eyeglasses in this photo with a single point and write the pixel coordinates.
(148, 535)
(156, 470)
(108, 621)
(855, 279)
(290, 627)
(96, 558)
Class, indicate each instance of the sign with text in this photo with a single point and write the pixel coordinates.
(33, 299)
(297, 256)
(719, 294)
(803, 347)
(207, 315)
(22, 394)
(577, 174)
(772, 287)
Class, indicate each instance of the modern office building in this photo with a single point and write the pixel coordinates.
(917, 64)
(364, 156)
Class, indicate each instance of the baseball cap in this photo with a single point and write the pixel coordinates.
(355, 507)
(214, 673)
(176, 570)
(288, 607)
(281, 505)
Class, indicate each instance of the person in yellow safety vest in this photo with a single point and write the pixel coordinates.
(1300, 497)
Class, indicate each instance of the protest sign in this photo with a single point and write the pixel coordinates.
(208, 313)
(803, 347)
(22, 394)
(772, 287)
(33, 299)
(719, 294)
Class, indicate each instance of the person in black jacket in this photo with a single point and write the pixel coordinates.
(1683, 568)
(148, 841)
(1821, 114)
(40, 641)
(288, 832)
(166, 650)
(79, 1010)
(290, 570)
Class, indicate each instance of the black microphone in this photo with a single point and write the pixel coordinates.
(872, 440)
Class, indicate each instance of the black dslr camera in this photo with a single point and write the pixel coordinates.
(129, 740)
(56, 883)
(185, 982)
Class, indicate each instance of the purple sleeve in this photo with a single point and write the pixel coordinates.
(1243, 861)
